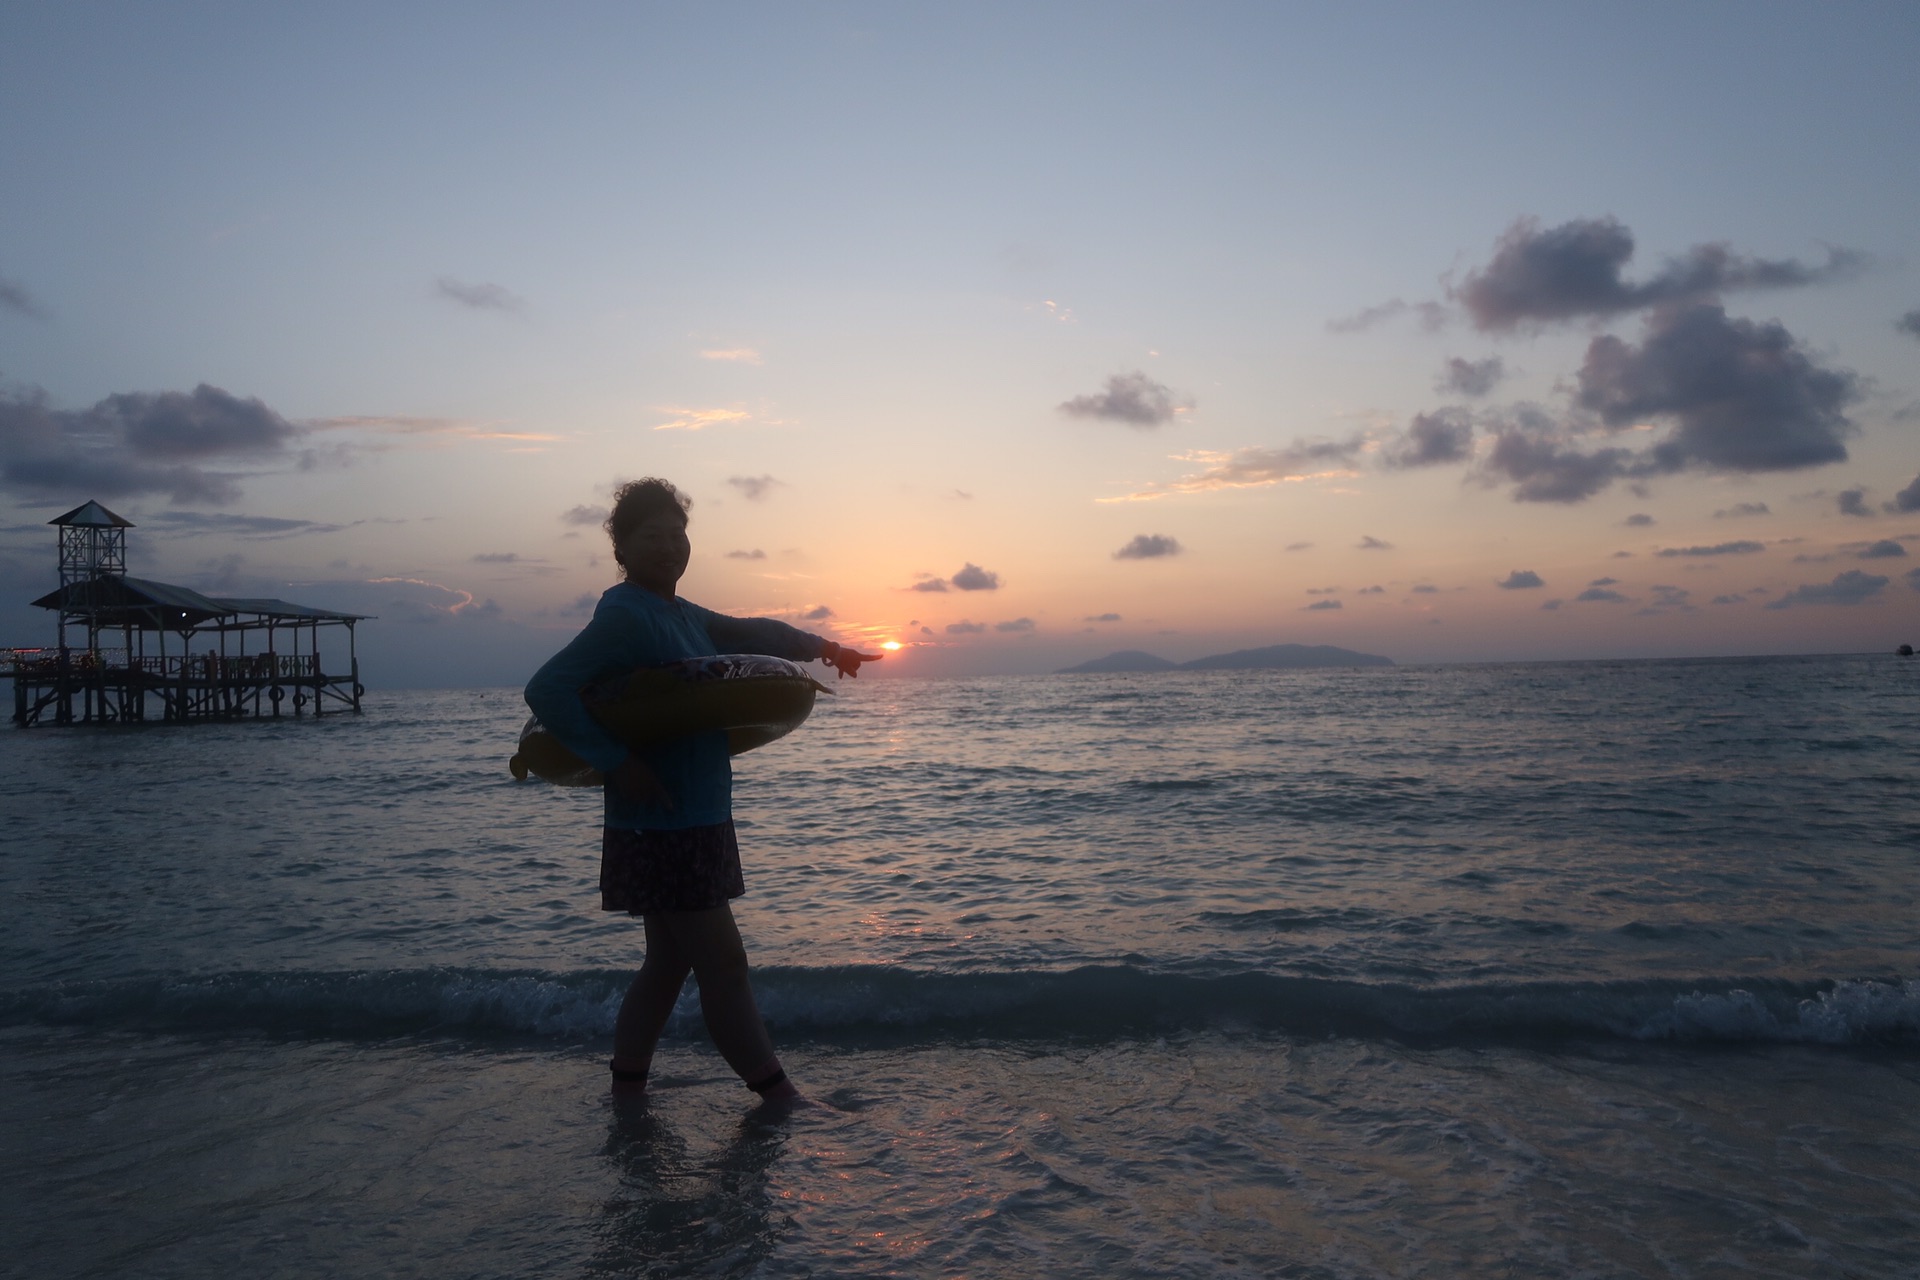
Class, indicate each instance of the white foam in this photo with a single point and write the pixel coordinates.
(1851, 1012)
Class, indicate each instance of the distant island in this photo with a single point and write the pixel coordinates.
(1272, 657)
(1125, 660)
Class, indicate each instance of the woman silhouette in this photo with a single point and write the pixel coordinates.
(668, 853)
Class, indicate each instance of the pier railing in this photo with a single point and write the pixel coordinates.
(260, 666)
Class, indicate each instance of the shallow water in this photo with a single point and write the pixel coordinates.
(1571, 969)
(1211, 1154)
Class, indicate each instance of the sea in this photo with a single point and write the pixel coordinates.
(1584, 969)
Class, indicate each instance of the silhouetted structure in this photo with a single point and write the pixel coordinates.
(101, 681)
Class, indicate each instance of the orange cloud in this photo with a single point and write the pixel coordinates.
(701, 419)
(1255, 467)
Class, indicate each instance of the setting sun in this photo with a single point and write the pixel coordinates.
(890, 645)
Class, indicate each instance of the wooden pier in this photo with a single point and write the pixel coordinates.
(110, 677)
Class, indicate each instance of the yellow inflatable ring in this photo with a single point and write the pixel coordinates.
(754, 698)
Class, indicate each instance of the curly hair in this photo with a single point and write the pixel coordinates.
(636, 500)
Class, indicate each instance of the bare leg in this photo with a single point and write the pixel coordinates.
(709, 942)
(648, 1004)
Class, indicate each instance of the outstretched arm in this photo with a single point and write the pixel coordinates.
(771, 636)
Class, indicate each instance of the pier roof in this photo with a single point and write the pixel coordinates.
(279, 609)
(161, 606)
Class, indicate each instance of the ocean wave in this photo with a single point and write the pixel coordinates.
(1089, 1003)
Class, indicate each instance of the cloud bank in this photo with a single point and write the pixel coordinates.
(1850, 588)
(139, 442)
(15, 298)
(477, 297)
(1733, 396)
(1573, 271)
(255, 528)
(1738, 397)
(970, 578)
(1908, 499)
(1431, 440)
(1149, 546)
(973, 578)
(1742, 396)
(1730, 396)
(1132, 398)
(1472, 378)
(1535, 457)
(754, 488)
(1433, 316)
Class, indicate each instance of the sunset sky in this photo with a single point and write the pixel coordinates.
(1015, 334)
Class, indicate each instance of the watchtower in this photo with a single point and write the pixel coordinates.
(93, 545)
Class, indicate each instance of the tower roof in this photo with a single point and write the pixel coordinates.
(92, 513)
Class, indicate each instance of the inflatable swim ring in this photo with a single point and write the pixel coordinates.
(756, 699)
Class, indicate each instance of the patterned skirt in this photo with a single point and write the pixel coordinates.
(694, 869)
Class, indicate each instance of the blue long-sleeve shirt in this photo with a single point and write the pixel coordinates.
(633, 627)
